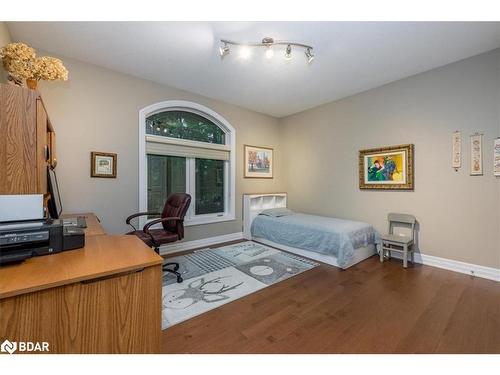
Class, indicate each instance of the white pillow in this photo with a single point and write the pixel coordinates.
(277, 212)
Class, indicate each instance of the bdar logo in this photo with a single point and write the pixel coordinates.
(24, 346)
(8, 347)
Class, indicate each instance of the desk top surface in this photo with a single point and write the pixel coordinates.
(103, 255)
(94, 226)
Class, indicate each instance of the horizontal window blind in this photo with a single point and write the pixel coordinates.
(183, 149)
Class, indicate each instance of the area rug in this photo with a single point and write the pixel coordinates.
(216, 276)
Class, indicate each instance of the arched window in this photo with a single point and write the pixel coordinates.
(186, 147)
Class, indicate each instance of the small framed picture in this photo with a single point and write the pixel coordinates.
(102, 164)
(258, 162)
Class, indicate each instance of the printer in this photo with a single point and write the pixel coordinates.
(23, 240)
(25, 232)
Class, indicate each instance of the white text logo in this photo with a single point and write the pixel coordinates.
(24, 346)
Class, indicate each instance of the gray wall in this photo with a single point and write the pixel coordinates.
(458, 213)
(97, 110)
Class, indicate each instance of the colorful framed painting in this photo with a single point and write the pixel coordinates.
(102, 164)
(387, 168)
(258, 162)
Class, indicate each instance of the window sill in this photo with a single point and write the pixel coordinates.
(208, 220)
(196, 221)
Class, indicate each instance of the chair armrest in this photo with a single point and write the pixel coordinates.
(161, 220)
(127, 221)
(141, 214)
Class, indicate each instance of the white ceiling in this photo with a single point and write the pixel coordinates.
(350, 56)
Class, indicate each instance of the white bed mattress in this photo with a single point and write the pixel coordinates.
(327, 236)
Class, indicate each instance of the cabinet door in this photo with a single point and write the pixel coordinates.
(119, 314)
(41, 147)
(18, 155)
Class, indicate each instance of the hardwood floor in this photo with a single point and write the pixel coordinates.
(369, 308)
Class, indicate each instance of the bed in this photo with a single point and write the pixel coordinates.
(338, 242)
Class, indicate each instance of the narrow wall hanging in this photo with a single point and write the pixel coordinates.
(496, 157)
(457, 150)
(476, 155)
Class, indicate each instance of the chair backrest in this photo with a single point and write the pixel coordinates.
(405, 219)
(176, 205)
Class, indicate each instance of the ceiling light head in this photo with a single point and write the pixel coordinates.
(224, 50)
(288, 52)
(267, 41)
(269, 53)
(309, 55)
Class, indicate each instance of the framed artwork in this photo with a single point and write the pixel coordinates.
(258, 162)
(496, 157)
(476, 155)
(456, 161)
(387, 168)
(102, 164)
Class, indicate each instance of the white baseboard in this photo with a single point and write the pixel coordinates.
(489, 273)
(189, 245)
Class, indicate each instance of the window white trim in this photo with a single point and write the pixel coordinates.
(186, 143)
(185, 148)
(230, 172)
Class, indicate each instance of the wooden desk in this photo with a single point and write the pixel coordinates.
(103, 298)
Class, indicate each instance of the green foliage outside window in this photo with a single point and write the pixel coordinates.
(209, 186)
(184, 125)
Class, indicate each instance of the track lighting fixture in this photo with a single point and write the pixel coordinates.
(269, 44)
(224, 50)
(309, 55)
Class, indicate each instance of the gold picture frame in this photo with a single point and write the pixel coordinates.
(258, 162)
(103, 164)
(387, 168)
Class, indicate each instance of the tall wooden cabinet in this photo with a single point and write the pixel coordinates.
(27, 141)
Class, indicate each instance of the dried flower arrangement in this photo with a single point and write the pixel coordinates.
(49, 69)
(21, 62)
(17, 59)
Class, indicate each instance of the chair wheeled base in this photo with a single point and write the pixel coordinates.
(169, 270)
(174, 271)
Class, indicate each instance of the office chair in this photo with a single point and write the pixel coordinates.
(172, 220)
